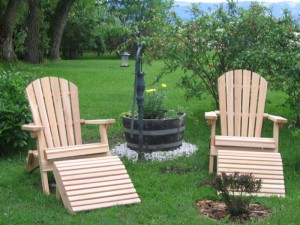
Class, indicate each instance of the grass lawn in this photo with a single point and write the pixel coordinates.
(105, 91)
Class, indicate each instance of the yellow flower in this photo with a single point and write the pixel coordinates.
(163, 85)
(150, 90)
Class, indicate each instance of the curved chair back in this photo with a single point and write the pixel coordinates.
(242, 96)
(54, 104)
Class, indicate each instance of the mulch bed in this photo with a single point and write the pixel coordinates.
(218, 211)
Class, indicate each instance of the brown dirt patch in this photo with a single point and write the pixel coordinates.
(218, 211)
(178, 169)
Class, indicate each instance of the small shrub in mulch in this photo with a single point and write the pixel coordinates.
(236, 191)
(218, 211)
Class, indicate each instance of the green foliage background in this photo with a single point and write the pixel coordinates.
(232, 38)
(14, 110)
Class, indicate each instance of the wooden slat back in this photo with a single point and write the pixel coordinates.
(50, 111)
(54, 105)
(242, 96)
(245, 102)
(253, 103)
(261, 106)
(222, 103)
(59, 110)
(34, 108)
(238, 81)
(75, 113)
(43, 112)
(230, 102)
(65, 93)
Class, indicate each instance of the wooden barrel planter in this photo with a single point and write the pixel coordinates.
(158, 134)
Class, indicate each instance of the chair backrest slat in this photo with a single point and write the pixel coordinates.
(59, 112)
(253, 104)
(34, 107)
(222, 102)
(245, 102)
(261, 106)
(50, 110)
(242, 96)
(43, 112)
(54, 105)
(65, 92)
(238, 81)
(75, 113)
(230, 102)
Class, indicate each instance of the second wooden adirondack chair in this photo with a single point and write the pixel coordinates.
(242, 96)
(57, 128)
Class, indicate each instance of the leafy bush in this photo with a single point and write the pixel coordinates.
(227, 38)
(236, 190)
(14, 111)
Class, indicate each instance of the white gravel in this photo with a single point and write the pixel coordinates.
(186, 149)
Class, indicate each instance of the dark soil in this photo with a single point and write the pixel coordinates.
(178, 169)
(218, 211)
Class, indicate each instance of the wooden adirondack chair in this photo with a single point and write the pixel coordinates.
(87, 176)
(56, 125)
(242, 96)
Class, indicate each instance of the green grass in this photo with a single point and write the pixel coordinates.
(105, 91)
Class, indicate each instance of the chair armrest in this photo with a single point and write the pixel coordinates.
(98, 122)
(103, 127)
(278, 123)
(211, 115)
(32, 127)
(277, 119)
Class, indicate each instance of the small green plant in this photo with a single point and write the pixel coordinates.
(154, 104)
(236, 190)
(14, 111)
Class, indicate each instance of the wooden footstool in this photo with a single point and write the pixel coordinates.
(92, 183)
(266, 166)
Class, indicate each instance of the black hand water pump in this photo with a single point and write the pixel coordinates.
(138, 97)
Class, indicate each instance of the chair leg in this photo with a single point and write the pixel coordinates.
(211, 164)
(32, 161)
(45, 183)
(58, 196)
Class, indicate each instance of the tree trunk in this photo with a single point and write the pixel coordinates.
(2, 8)
(58, 25)
(33, 54)
(7, 25)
